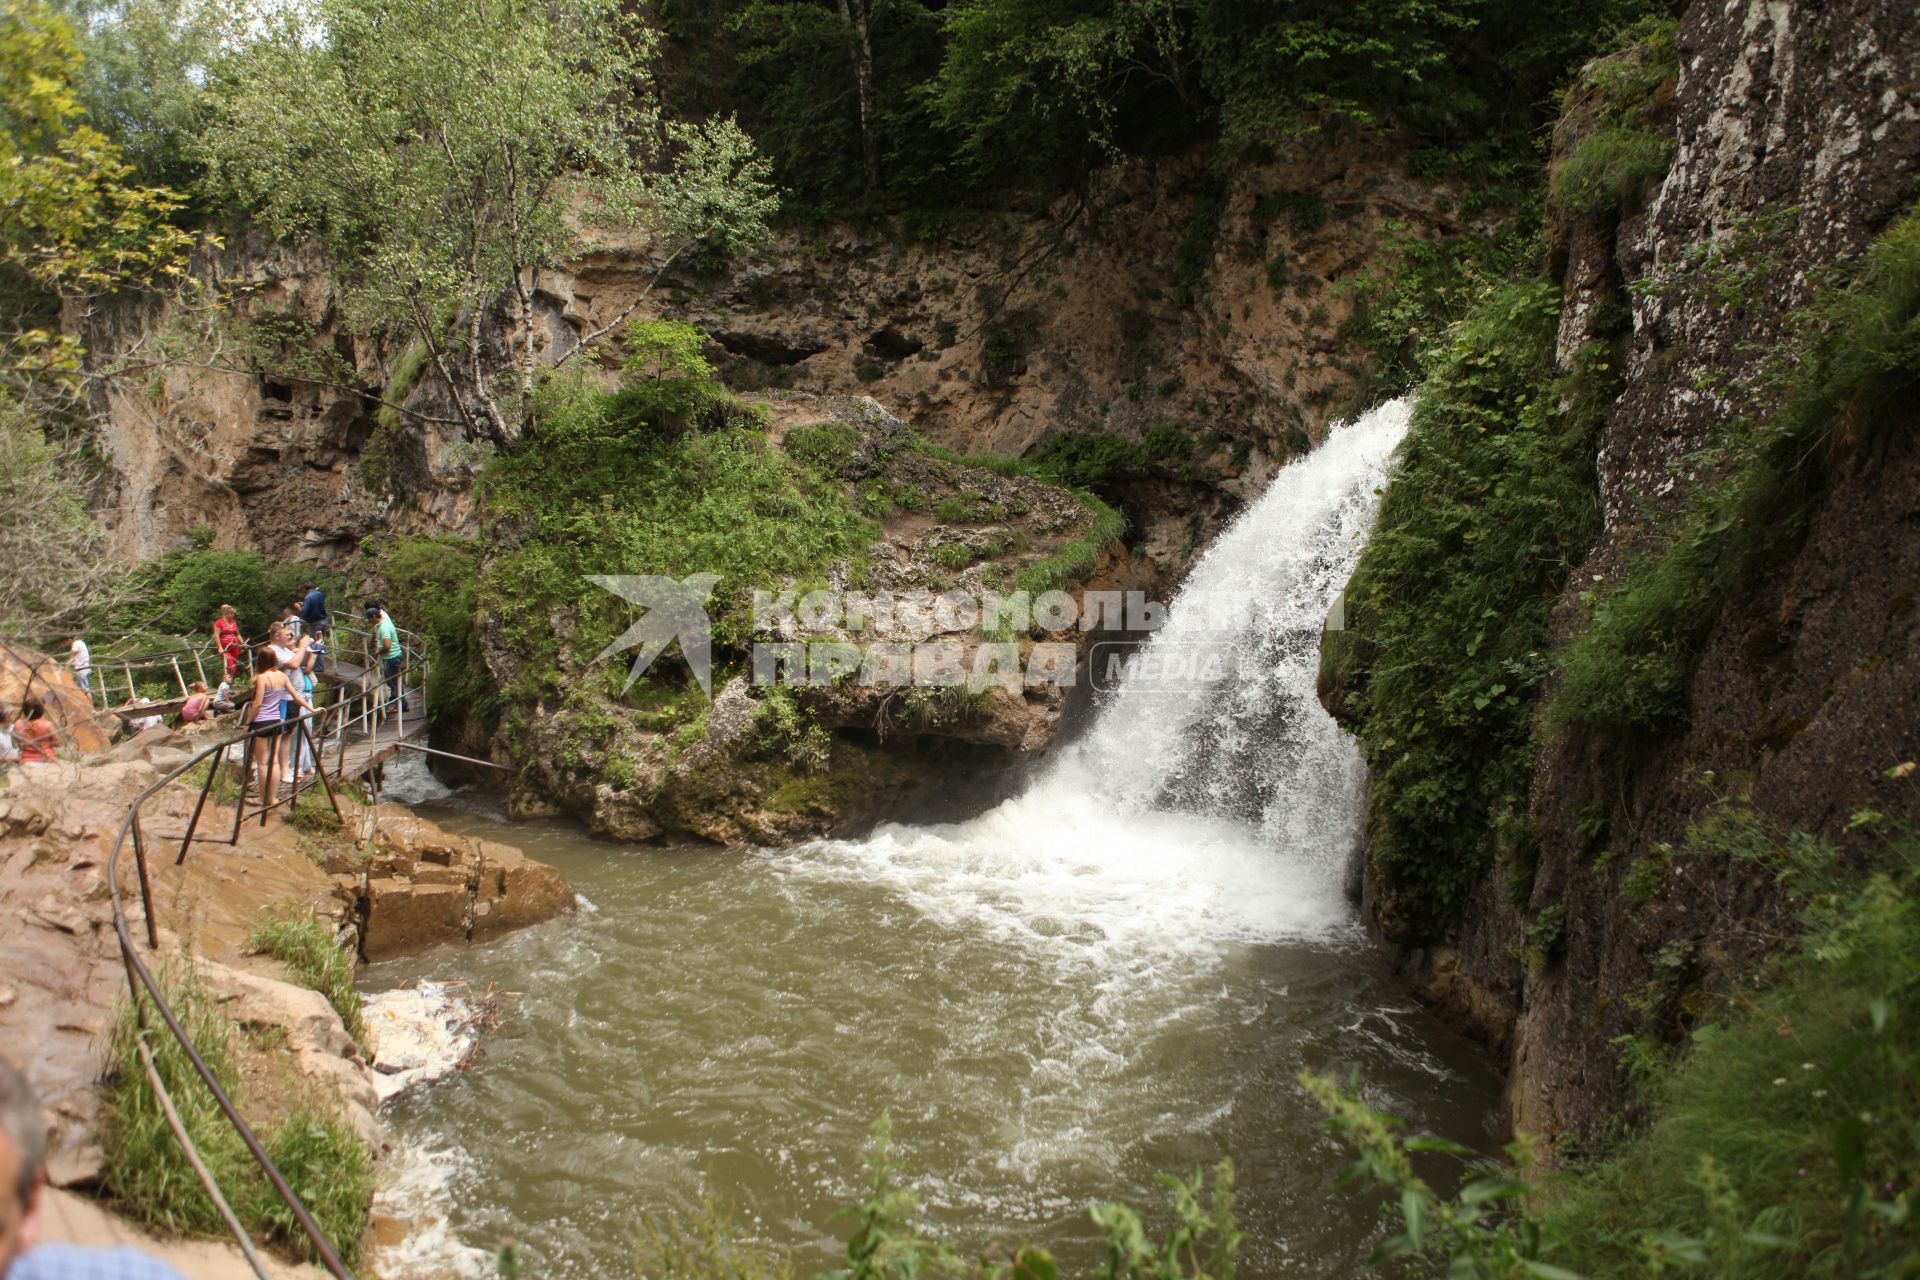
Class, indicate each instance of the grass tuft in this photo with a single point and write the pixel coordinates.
(147, 1175)
(302, 940)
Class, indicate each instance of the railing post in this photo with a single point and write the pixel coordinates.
(293, 762)
(178, 677)
(213, 768)
(146, 888)
(340, 731)
(240, 805)
(320, 772)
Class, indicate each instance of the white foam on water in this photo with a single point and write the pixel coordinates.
(1194, 814)
(407, 780)
(415, 1188)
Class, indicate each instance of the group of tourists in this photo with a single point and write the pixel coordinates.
(281, 689)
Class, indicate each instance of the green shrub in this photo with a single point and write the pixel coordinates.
(1783, 1142)
(1415, 288)
(1088, 460)
(302, 940)
(890, 1243)
(1611, 170)
(609, 493)
(313, 813)
(824, 446)
(329, 1169)
(146, 1174)
(1303, 210)
(1069, 565)
(1541, 940)
(434, 582)
(1492, 502)
(180, 592)
(789, 729)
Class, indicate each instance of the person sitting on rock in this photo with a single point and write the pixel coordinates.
(195, 707)
(34, 734)
(23, 1181)
(223, 697)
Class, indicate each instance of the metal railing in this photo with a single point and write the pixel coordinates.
(332, 725)
(138, 671)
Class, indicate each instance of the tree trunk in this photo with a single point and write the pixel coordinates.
(424, 327)
(854, 14)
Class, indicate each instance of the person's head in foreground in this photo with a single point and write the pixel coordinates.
(23, 1178)
(23, 1156)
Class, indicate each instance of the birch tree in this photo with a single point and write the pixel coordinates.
(446, 152)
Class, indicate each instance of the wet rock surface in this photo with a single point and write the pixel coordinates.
(61, 972)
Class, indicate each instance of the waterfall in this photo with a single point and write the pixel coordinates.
(1115, 973)
(1194, 811)
(1251, 741)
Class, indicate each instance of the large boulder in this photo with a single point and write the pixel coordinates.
(424, 885)
(27, 673)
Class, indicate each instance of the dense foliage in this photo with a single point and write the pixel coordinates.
(445, 151)
(902, 105)
(180, 593)
(75, 224)
(1785, 1139)
(1492, 503)
(664, 474)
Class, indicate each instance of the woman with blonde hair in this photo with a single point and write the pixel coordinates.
(226, 638)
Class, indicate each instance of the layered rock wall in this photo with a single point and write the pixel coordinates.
(1798, 130)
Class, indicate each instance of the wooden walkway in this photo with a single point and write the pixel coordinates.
(369, 744)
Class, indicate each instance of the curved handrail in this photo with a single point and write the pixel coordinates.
(142, 987)
(140, 979)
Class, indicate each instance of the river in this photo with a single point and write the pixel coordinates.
(1115, 974)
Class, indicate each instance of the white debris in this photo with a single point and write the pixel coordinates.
(423, 1032)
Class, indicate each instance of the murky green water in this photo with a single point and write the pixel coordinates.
(1117, 973)
(736, 1021)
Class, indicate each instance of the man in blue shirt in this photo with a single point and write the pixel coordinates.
(23, 1159)
(313, 612)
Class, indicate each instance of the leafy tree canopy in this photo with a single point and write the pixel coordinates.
(445, 150)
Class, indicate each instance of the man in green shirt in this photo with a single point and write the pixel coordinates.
(387, 648)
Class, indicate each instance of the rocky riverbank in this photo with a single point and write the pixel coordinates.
(386, 883)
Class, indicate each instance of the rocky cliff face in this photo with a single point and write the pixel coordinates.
(1195, 326)
(1798, 130)
(1159, 298)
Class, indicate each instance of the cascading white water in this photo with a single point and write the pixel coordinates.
(1114, 975)
(1194, 810)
